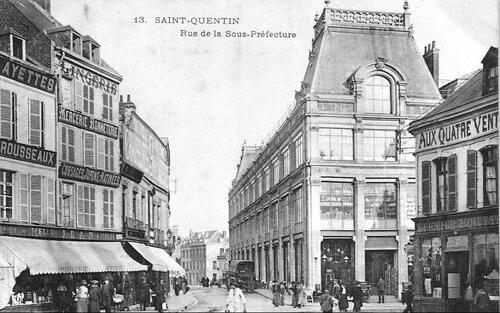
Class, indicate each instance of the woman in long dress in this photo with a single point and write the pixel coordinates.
(276, 294)
(295, 295)
(82, 294)
(302, 295)
(94, 297)
(343, 303)
(236, 301)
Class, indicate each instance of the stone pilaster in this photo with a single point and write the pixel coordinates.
(359, 225)
(313, 234)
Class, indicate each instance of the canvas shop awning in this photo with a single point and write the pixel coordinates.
(159, 259)
(57, 257)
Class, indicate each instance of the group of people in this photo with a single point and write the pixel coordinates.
(180, 283)
(296, 290)
(336, 297)
(155, 293)
(236, 301)
(88, 297)
(205, 282)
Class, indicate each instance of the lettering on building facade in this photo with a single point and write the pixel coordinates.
(89, 78)
(87, 122)
(59, 233)
(456, 224)
(88, 175)
(25, 75)
(461, 131)
(26, 153)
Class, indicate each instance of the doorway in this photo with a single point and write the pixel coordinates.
(456, 272)
(381, 264)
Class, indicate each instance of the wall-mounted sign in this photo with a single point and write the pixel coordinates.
(53, 232)
(457, 243)
(18, 151)
(131, 173)
(89, 175)
(89, 78)
(461, 131)
(469, 222)
(26, 75)
(87, 122)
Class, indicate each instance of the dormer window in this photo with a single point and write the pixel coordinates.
(90, 49)
(18, 47)
(76, 43)
(94, 50)
(492, 79)
(377, 91)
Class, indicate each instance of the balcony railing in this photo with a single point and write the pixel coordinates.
(134, 224)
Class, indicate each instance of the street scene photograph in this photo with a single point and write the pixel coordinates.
(249, 156)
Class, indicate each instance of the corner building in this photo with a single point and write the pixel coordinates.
(456, 230)
(330, 196)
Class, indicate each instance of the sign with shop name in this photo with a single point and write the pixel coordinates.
(89, 175)
(457, 243)
(464, 130)
(89, 78)
(87, 122)
(18, 151)
(456, 224)
(25, 75)
(59, 233)
(131, 172)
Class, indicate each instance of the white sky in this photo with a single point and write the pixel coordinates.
(210, 94)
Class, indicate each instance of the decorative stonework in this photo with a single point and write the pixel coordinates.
(380, 63)
(363, 17)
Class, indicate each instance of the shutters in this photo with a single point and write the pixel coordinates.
(88, 149)
(88, 99)
(7, 114)
(105, 114)
(35, 125)
(110, 104)
(51, 201)
(65, 92)
(64, 144)
(68, 144)
(24, 203)
(471, 178)
(426, 187)
(36, 198)
(452, 182)
(101, 143)
(79, 210)
(78, 96)
(105, 209)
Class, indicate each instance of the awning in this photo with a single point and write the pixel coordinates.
(381, 243)
(159, 259)
(54, 257)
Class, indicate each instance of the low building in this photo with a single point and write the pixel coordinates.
(456, 231)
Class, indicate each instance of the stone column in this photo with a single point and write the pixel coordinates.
(312, 241)
(403, 236)
(291, 248)
(359, 225)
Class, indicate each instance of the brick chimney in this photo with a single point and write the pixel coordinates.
(45, 4)
(431, 58)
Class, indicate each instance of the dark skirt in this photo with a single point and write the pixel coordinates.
(94, 306)
(276, 298)
(343, 303)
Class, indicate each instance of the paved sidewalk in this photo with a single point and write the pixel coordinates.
(175, 303)
(370, 307)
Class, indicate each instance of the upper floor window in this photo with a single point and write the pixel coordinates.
(6, 194)
(377, 91)
(8, 109)
(36, 122)
(336, 144)
(298, 152)
(336, 205)
(107, 107)
(446, 183)
(276, 171)
(286, 162)
(379, 145)
(18, 47)
(76, 43)
(490, 174)
(380, 206)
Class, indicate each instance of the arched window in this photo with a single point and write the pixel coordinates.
(377, 91)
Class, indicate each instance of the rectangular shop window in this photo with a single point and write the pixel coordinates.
(18, 45)
(51, 201)
(471, 178)
(35, 122)
(276, 171)
(68, 144)
(337, 205)
(89, 149)
(6, 194)
(8, 110)
(78, 93)
(108, 208)
(490, 175)
(485, 263)
(432, 263)
(452, 183)
(379, 145)
(441, 181)
(107, 107)
(380, 206)
(86, 207)
(426, 187)
(36, 198)
(88, 99)
(336, 144)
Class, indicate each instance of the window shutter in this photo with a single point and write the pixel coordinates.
(452, 183)
(426, 187)
(110, 103)
(105, 208)
(6, 114)
(471, 178)
(36, 198)
(111, 209)
(64, 144)
(51, 201)
(35, 122)
(24, 189)
(91, 100)
(71, 145)
(101, 152)
(89, 149)
(105, 106)
(79, 211)
(85, 99)
(78, 95)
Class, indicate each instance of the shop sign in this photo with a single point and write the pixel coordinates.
(131, 172)
(89, 78)
(87, 122)
(88, 175)
(58, 233)
(461, 131)
(457, 243)
(470, 222)
(18, 151)
(25, 75)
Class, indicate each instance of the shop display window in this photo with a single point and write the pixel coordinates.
(380, 206)
(432, 265)
(336, 203)
(485, 263)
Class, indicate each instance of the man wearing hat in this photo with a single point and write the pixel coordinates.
(408, 298)
(107, 294)
(357, 296)
(326, 301)
(94, 296)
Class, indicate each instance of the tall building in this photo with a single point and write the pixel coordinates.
(456, 231)
(332, 193)
(200, 255)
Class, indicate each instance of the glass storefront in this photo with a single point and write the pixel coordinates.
(337, 262)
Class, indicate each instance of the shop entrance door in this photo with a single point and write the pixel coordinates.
(381, 264)
(457, 270)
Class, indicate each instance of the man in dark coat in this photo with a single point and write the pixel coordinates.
(381, 290)
(326, 302)
(94, 297)
(107, 294)
(343, 303)
(160, 290)
(408, 299)
(357, 297)
(143, 294)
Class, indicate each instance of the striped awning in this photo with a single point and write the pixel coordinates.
(62, 256)
(159, 259)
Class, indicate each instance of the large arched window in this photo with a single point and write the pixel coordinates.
(377, 91)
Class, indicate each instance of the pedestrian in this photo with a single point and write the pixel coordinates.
(184, 284)
(276, 294)
(357, 296)
(143, 294)
(408, 299)
(177, 285)
(295, 295)
(160, 290)
(336, 289)
(61, 297)
(469, 297)
(236, 301)
(343, 303)
(282, 293)
(381, 289)
(82, 295)
(94, 296)
(482, 301)
(107, 294)
(302, 295)
(326, 302)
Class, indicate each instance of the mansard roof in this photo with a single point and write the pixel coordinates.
(248, 155)
(348, 40)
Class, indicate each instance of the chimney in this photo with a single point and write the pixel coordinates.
(125, 106)
(45, 4)
(431, 58)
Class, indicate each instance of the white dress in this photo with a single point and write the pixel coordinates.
(236, 301)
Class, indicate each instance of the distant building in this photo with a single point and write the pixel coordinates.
(456, 231)
(201, 255)
(332, 193)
